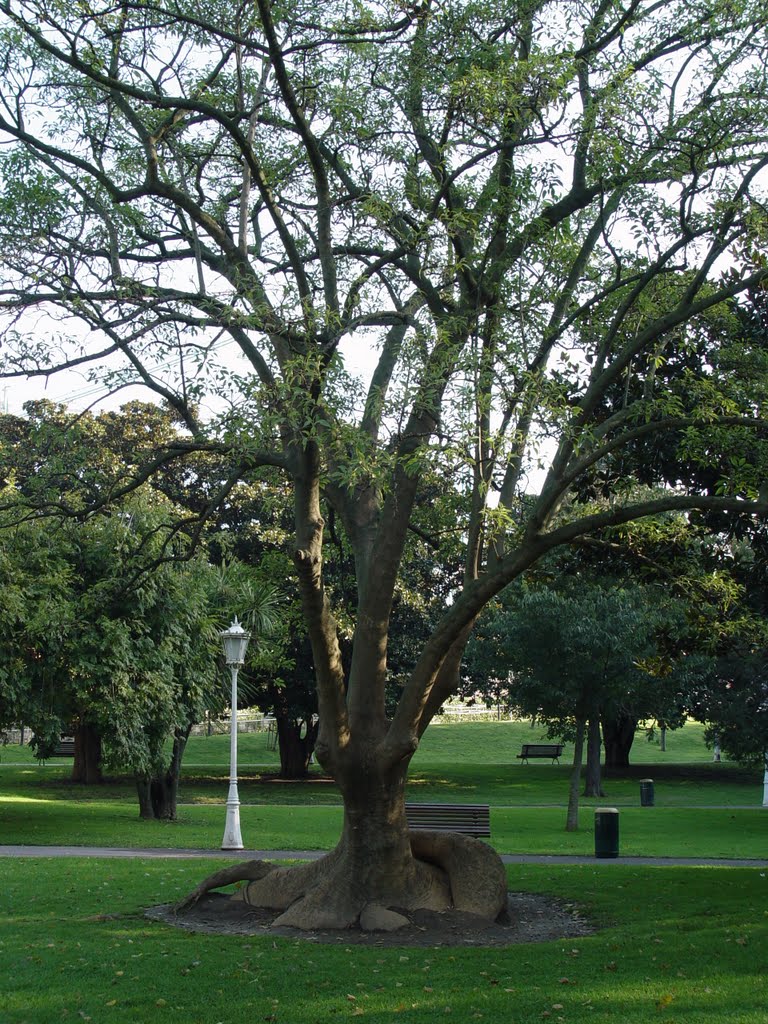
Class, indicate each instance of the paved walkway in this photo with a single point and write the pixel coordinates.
(508, 858)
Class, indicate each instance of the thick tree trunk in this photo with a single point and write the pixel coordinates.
(593, 783)
(379, 871)
(87, 763)
(296, 742)
(618, 736)
(157, 799)
(158, 794)
(572, 818)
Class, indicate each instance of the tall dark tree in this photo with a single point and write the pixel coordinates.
(120, 659)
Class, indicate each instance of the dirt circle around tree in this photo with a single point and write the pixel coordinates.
(530, 917)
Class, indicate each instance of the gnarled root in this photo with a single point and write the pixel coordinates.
(476, 873)
(245, 870)
(327, 893)
(284, 885)
(340, 891)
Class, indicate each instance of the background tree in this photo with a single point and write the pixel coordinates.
(731, 695)
(515, 207)
(122, 658)
(571, 657)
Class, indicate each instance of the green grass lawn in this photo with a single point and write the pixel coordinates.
(644, 832)
(702, 809)
(674, 944)
(443, 743)
(678, 945)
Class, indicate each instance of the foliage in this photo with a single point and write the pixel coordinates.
(586, 647)
(93, 638)
(731, 694)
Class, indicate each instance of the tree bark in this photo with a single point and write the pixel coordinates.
(618, 736)
(296, 742)
(572, 818)
(158, 794)
(86, 767)
(593, 782)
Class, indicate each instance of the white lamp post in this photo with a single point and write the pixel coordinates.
(235, 640)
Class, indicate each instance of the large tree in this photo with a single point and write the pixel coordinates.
(509, 208)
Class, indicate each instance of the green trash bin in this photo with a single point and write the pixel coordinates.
(646, 793)
(606, 832)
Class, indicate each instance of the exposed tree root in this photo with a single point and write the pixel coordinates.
(448, 871)
(325, 905)
(245, 870)
(285, 885)
(476, 873)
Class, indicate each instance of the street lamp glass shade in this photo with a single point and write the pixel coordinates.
(235, 640)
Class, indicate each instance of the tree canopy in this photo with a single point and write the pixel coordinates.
(517, 213)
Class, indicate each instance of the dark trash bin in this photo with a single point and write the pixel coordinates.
(606, 832)
(646, 793)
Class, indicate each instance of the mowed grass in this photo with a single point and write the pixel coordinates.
(488, 742)
(644, 832)
(678, 945)
(701, 809)
(461, 762)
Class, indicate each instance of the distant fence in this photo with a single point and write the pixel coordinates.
(16, 736)
(246, 722)
(464, 713)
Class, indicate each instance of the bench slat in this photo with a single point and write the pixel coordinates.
(64, 748)
(467, 819)
(552, 750)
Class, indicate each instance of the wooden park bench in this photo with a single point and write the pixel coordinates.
(64, 748)
(468, 819)
(550, 750)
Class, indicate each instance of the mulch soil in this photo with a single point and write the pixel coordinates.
(529, 918)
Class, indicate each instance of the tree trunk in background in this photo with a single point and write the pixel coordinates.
(296, 742)
(87, 763)
(158, 794)
(618, 736)
(572, 819)
(593, 782)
